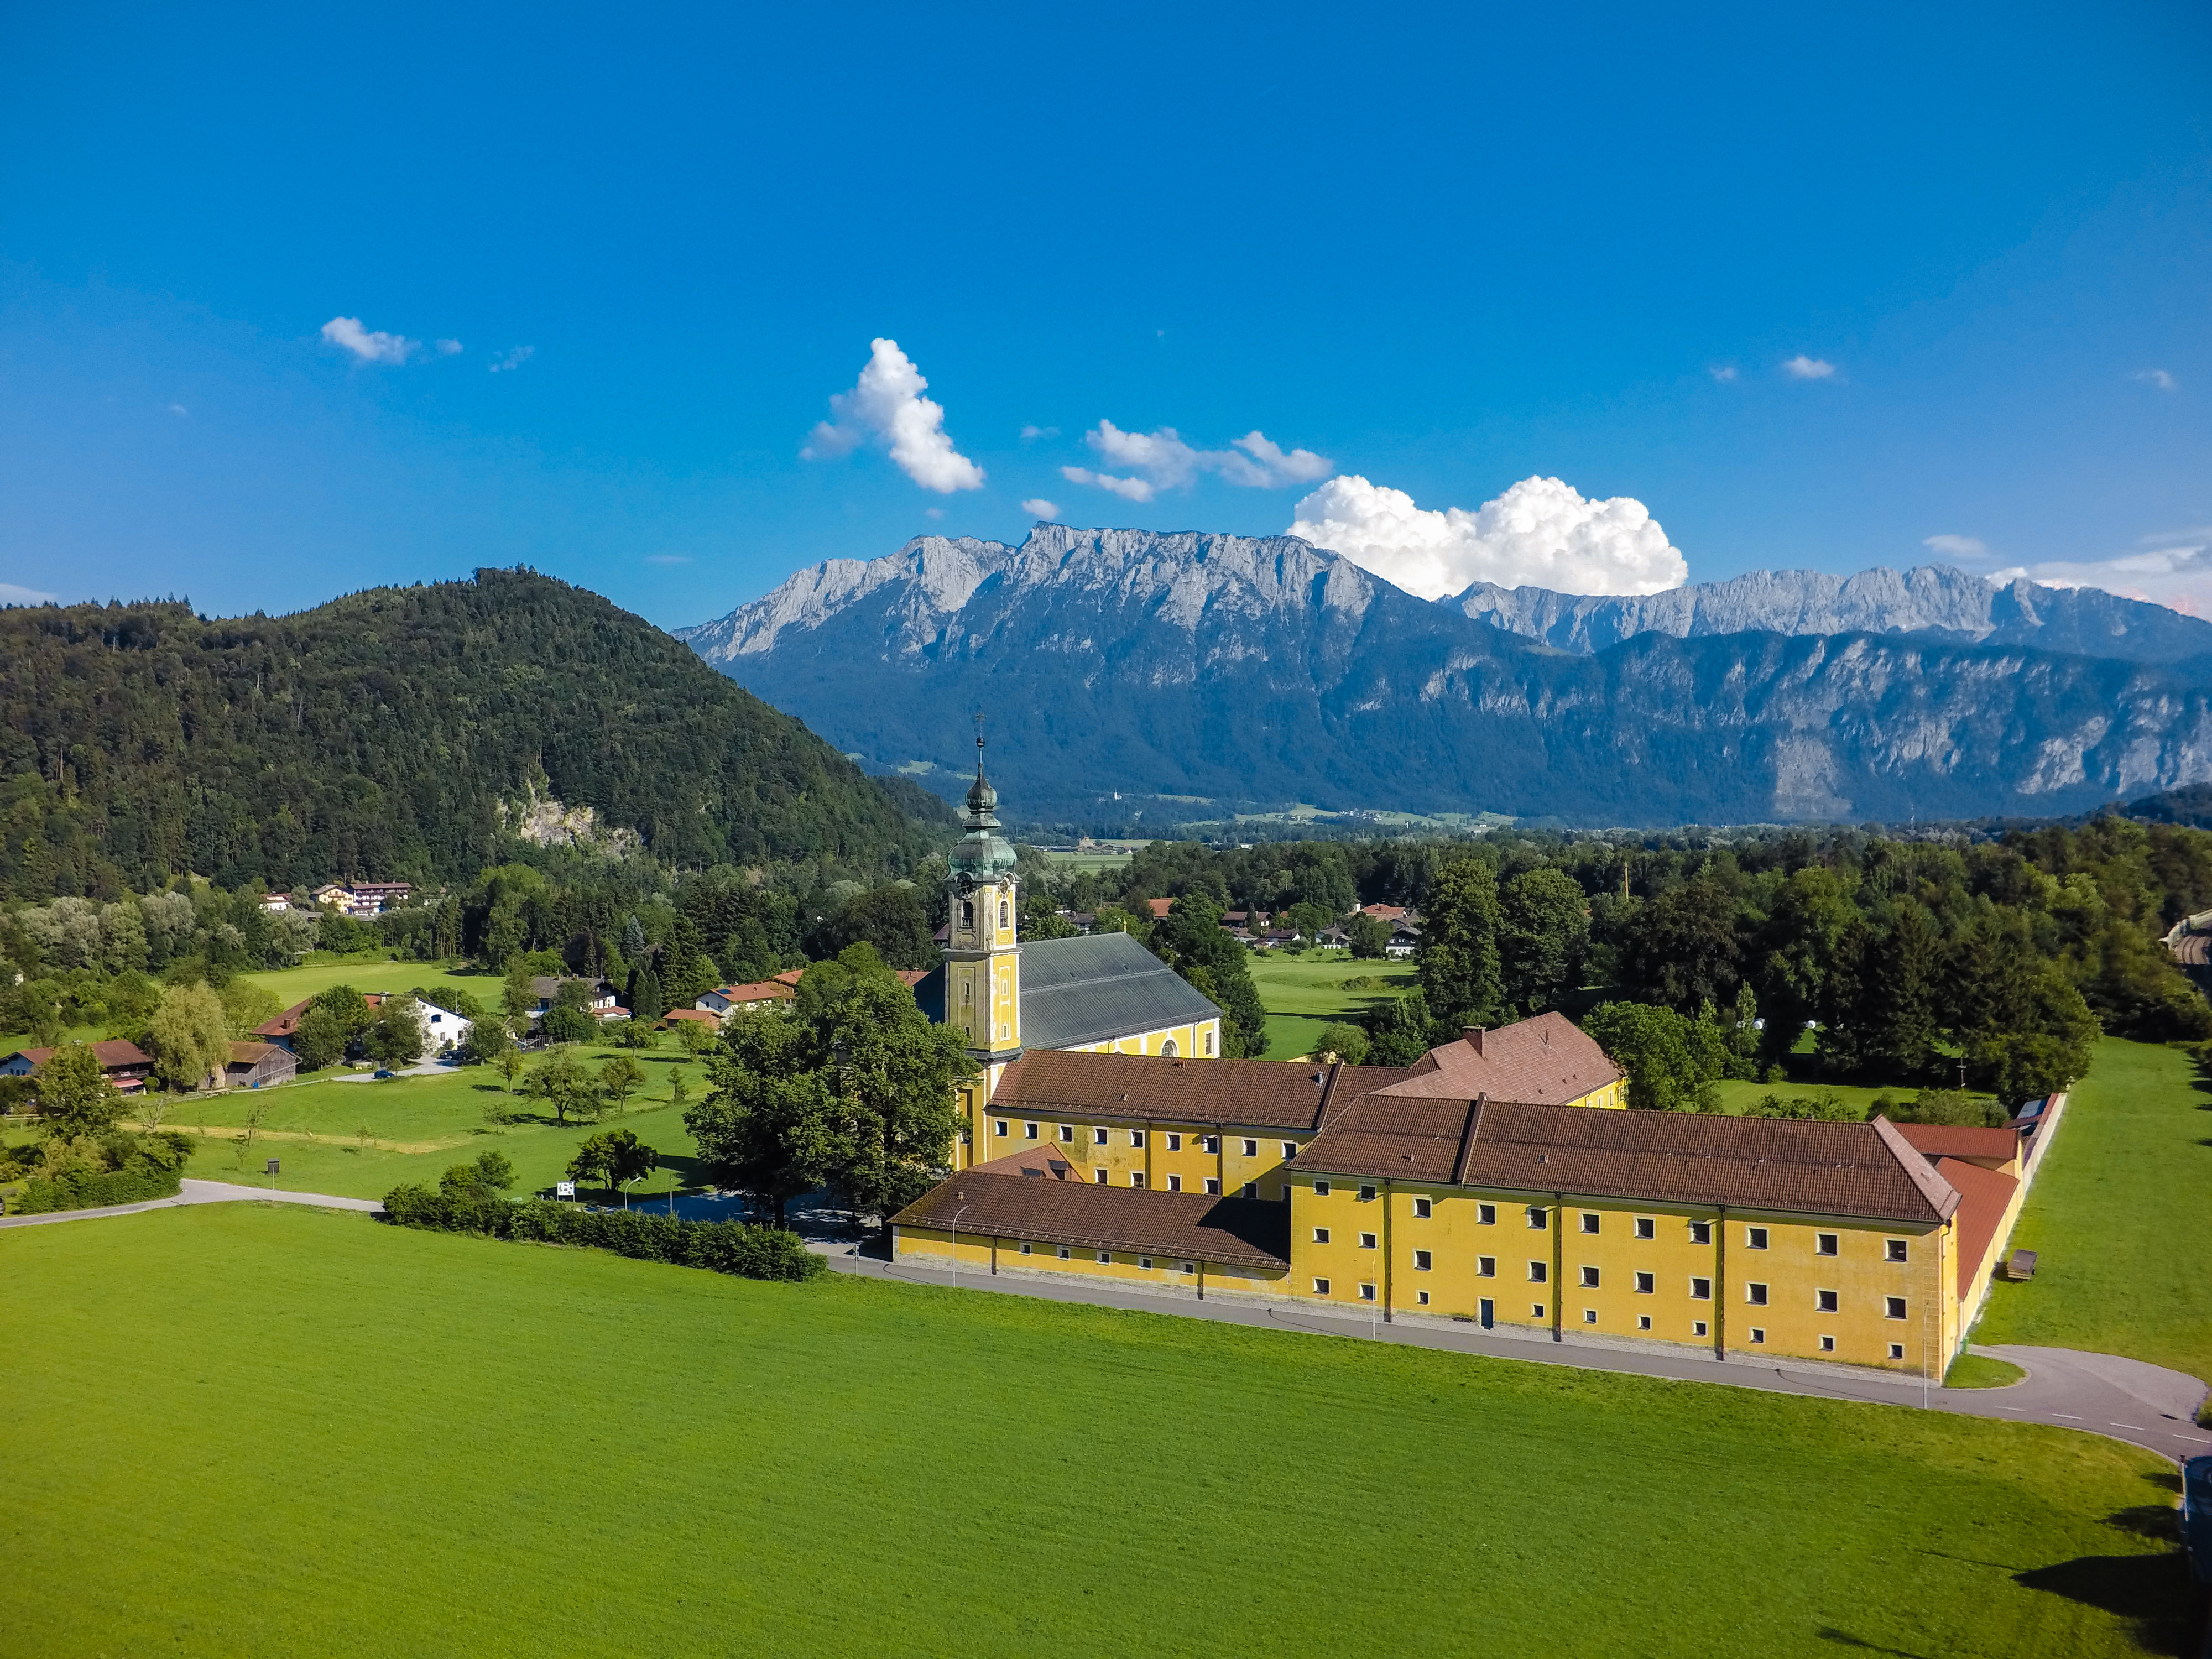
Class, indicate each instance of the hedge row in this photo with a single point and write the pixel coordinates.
(84, 1189)
(722, 1247)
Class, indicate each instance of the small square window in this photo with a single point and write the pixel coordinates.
(1320, 1189)
(1827, 1345)
(999, 1126)
(1145, 1262)
(1897, 1350)
(1104, 1258)
(1646, 1227)
(1025, 1249)
(1175, 1184)
(1421, 1261)
(1102, 1173)
(1755, 1294)
(1485, 1215)
(1136, 1137)
(1755, 1239)
(1895, 1307)
(1825, 1243)
(1190, 1267)
(1209, 1143)
(1758, 1335)
(1589, 1279)
(1367, 1241)
(1421, 1298)
(1423, 1209)
(1290, 1149)
(1701, 1290)
(1321, 1287)
(1366, 1194)
(1067, 1131)
(1485, 1267)
(1064, 1254)
(1894, 1250)
(1701, 1232)
(1823, 1301)
(1589, 1221)
(1029, 1131)
(1251, 1149)
(1697, 1328)
(1644, 1283)
(1536, 1216)
(1535, 1310)
(1589, 1316)
(1538, 1272)
(1321, 1235)
(1251, 1189)
(1643, 1322)
(1136, 1177)
(1213, 1186)
(1175, 1143)
(1099, 1137)
(1366, 1292)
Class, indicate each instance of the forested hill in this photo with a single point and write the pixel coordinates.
(388, 735)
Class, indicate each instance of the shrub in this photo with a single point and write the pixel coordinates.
(91, 1172)
(1347, 1043)
(722, 1247)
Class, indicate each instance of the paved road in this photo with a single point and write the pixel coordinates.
(2124, 1399)
(200, 1192)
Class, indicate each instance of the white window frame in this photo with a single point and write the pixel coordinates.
(1827, 1244)
(1367, 1241)
(1421, 1261)
(1099, 1137)
(1755, 1295)
(1423, 1209)
(1647, 1226)
(1485, 1267)
(1895, 1307)
(1591, 1220)
(1755, 1239)
(1646, 1284)
(1321, 1287)
(1539, 1272)
(1320, 1189)
(1485, 1215)
(1251, 1147)
(1175, 1184)
(1213, 1186)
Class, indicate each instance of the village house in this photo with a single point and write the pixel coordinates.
(256, 1066)
(125, 1064)
(727, 999)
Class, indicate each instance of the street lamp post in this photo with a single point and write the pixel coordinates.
(957, 1214)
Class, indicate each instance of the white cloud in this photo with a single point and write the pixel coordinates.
(12, 594)
(1149, 462)
(668, 558)
(887, 405)
(369, 346)
(1958, 547)
(1540, 534)
(1723, 371)
(511, 359)
(1038, 508)
(1801, 367)
(933, 512)
(2157, 377)
(2174, 570)
(1031, 434)
(449, 348)
(178, 408)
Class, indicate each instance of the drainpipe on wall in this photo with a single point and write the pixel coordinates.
(1388, 1308)
(1719, 1282)
(1558, 1258)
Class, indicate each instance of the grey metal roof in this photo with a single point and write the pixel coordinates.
(1076, 991)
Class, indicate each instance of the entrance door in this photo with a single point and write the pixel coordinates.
(1486, 1313)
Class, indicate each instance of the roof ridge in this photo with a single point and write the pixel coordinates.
(1466, 1135)
(1942, 1197)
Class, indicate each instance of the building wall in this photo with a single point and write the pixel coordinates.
(1162, 1153)
(1369, 1257)
(983, 1253)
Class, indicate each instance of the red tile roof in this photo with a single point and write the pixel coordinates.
(1160, 907)
(1192, 1226)
(1251, 1093)
(766, 990)
(285, 1023)
(1548, 1061)
(113, 1053)
(788, 976)
(1669, 1157)
(1934, 1140)
(1983, 1197)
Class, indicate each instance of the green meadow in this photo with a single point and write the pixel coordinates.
(250, 1428)
(1302, 993)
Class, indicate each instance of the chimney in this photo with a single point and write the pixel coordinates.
(1475, 1038)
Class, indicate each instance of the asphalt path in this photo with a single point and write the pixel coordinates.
(200, 1192)
(2124, 1400)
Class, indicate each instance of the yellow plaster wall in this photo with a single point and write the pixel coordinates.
(935, 1248)
(1158, 1150)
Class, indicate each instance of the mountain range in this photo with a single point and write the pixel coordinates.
(1261, 671)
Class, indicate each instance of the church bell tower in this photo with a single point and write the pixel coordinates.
(982, 959)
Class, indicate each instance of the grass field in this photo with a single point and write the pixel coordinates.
(2119, 1218)
(319, 1435)
(1302, 994)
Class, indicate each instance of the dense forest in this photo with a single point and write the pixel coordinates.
(401, 733)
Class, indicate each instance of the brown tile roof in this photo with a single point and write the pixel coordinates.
(766, 990)
(111, 1053)
(697, 1015)
(1934, 1140)
(285, 1023)
(1548, 1061)
(1248, 1233)
(1824, 1168)
(1254, 1093)
(1983, 1197)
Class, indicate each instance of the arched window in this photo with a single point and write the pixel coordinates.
(967, 913)
(1005, 911)
(1168, 1048)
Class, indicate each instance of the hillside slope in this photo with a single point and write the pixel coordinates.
(381, 735)
(1237, 669)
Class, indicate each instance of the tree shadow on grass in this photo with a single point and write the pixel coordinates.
(1843, 1638)
(2151, 1592)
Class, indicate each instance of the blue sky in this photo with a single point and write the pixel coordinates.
(1440, 251)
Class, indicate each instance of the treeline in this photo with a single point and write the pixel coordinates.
(403, 733)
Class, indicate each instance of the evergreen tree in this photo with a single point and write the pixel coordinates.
(1462, 972)
(1543, 939)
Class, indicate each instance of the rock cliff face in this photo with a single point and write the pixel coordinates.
(1266, 670)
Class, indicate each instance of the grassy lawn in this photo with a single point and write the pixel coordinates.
(1736, 1097)
(2119, 1218)
(326, 1436)
(1302, 994)
(374, 971)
